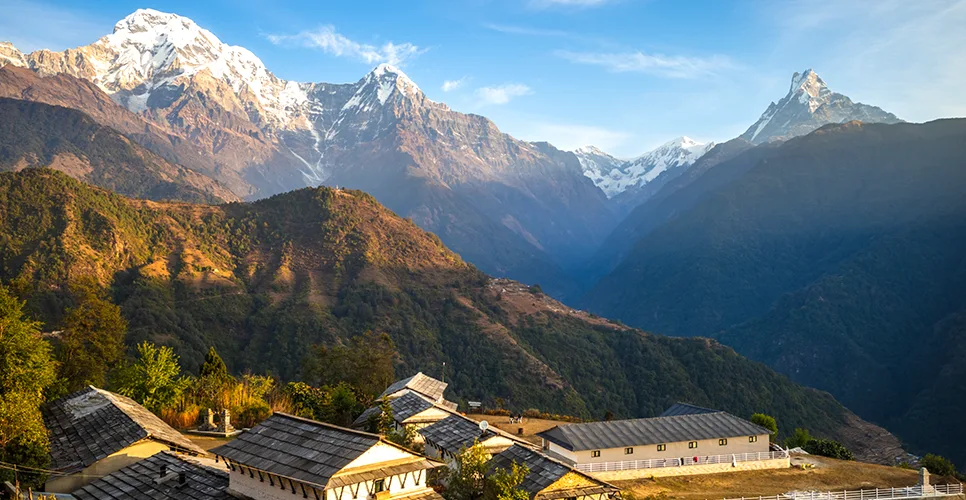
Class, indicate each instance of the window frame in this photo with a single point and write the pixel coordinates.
(752, 439)
(629, 450)
(723, 442)
(378, 486)
(662, 447)
(692, 445)
(595, 454)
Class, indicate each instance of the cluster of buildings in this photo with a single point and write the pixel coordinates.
(107, 447)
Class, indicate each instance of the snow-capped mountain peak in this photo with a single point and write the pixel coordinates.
(614, 176)
(808, 105)
(11, 55)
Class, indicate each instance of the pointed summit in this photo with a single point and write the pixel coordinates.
(809, 105)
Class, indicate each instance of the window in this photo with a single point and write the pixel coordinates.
(378, 485)
(692, 444)
(595, 454)
(628, 451)
(662, 447)
(752, 439)
(722, 442)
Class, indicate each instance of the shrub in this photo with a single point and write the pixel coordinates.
(251, 415)
(828, 448)
(941, 466)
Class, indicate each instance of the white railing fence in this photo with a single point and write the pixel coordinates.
(656, 463)
(938, 490)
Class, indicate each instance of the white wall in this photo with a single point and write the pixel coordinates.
(243, 484)
(706, 447)
(111, 463)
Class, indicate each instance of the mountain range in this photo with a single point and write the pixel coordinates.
(827, 248)
(263, 281)
(514, 208)
(837, 258)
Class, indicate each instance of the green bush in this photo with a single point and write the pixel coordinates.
(941, 466)
(828, 448)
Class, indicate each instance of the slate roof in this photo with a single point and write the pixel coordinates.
(685, 409)
(301, 449)
(543, 472)
(454, 433)
(92, 423)
(141, 480)
(644, 431)
(423, 384)
(404, 407)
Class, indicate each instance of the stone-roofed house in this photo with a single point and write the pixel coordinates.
(163, 476)
(423, 384)
(692, 438)
(287, 455)
(408, 409)
(447, 438)
(550, 479)
(94, 432)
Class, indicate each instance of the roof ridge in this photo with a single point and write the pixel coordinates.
(715, 412)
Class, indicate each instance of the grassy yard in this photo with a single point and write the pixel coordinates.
(827, 475)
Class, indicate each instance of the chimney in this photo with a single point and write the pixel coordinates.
(164, 471)
(182, 478)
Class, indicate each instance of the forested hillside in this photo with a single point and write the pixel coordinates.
(34, 134)
(839, 259)
(262, 282)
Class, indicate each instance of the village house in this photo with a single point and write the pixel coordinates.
(691, 441)
(288, 457)
(549, 479)
(447, 438)
(409, 409)
(420, 383)
(163, 476)
(94, 432)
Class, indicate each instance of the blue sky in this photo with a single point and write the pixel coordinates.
(625, 75)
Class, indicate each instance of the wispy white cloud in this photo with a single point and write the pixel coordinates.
(653, 64)
(572, 136)
(502, 94)
(544, 4)
(526, 30)
(327, 39)
(451, 85)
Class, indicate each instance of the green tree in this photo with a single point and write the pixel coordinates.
(768, 422)
(798, 439)
(26, 370)
(364, 362)
(154, 378)
(92, 340)
(502, 484)
(386, 425)
(941, 466)
(213, 365)
(468, 477)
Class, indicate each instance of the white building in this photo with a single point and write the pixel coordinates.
(287, 457)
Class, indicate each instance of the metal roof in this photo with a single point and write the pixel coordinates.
(423, 384)
(142, 480)
(685, 409)
(644, 431)
(404, 407)
(92, 423)
(544, 471)
(301, 449)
